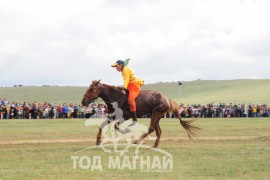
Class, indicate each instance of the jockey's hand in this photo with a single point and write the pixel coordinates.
(124, 92)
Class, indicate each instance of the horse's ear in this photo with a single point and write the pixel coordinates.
(98, 81)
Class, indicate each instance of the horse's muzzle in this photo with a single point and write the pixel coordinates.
(86, 102)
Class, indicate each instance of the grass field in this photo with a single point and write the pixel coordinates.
(224, 149)
(192, 92)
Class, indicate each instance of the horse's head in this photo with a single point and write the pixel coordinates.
(92, 93)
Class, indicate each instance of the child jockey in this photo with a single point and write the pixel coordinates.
(132, 84)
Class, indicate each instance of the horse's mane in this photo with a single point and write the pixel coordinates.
(115, 92)
(113, 89)
(110, 86)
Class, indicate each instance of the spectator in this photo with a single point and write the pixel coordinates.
(64, 111)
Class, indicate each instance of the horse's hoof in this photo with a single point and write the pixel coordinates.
(116, 126)
(98, 143)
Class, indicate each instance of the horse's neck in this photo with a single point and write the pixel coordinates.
(105, 97)
(110, 95)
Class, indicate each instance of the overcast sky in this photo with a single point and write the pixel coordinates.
(72, 42)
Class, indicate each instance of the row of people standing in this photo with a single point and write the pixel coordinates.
(224, 111)
(16, 110)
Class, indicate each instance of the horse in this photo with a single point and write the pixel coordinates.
(148, 102)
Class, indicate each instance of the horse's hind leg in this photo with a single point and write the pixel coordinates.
(158, 134)
(154, 120)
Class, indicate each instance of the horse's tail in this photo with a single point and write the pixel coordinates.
(191, 129)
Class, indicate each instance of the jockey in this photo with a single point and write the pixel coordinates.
(132, 84)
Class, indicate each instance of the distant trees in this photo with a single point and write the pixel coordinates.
(18, 85)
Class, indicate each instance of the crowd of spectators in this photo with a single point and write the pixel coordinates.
(224, 111)
(45, 110)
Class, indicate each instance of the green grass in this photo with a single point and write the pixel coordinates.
(193, 92)
(74, 128)
(52, 94)
(197, 159)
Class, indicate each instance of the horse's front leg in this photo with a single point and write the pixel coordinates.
(99, 137)
(101, 126)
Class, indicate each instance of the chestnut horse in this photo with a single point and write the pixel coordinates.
(148, 102)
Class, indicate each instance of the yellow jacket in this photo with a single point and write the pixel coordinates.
(129, 77)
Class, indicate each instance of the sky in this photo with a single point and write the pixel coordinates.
(72, 42)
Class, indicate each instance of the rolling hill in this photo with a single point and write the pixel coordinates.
(192, 92)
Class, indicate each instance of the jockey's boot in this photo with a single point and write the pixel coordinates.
(134, 117)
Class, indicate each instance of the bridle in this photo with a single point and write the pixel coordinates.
(91, 98)
(86, 95)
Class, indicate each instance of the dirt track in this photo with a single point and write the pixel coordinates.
(213, 138)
